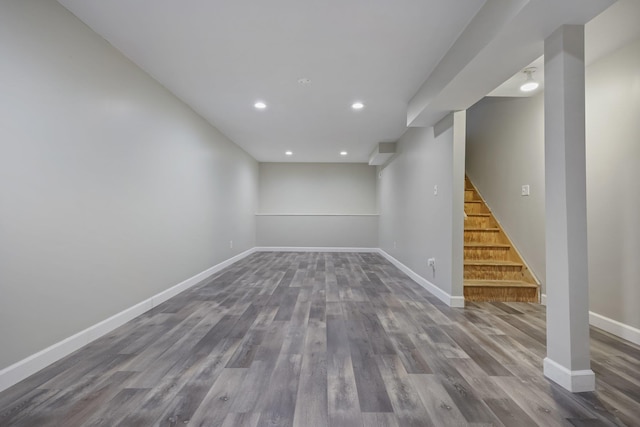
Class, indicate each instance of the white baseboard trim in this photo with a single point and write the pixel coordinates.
(26, 367)
(614, 327)
(456, 302)
(451, 301)
(313, 249)
(574, 381)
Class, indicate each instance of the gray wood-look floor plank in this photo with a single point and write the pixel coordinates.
(439, 405)
(342, 394)
(85, 406)
(214, 406)
(372, 392)
(323, 339)
(412, 359)
(89, 385)
(192, 393)
(241, 420)
(405, 400)
(477, 352)
(373, 419)
(311, 407)
(509, 413)
(337, 340)
(118, 408)
(251, 392)
(280, 402)
(618, 407)
(246, 351)
(28, 407)
(483, 385)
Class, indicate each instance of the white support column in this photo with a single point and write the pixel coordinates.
(568, 360)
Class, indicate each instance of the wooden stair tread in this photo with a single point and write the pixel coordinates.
(499, 283)
(486, 245)
(492, 262)
(492, 271)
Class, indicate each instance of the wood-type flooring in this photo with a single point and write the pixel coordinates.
(323, 339)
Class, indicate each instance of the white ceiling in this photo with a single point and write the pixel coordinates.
(408, 61)
(511, 87)
(607, 32)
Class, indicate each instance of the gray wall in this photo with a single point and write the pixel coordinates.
(505, 149)
(415, 224)
(317, 205)
(613, 184)
(111, 189)
(317, 188)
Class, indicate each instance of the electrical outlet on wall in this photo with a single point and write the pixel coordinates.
(525, 190)
(431, 262)
(435, 190)
(230, 244)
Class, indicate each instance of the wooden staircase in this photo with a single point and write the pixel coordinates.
(493, 269)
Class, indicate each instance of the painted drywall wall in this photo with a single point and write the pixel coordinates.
(317, 205)
(111, 189)
(505, 150)
(317, 231)
(317, 188)
(613, 179)
(415, 223)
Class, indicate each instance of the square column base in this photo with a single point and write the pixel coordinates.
(574, 381)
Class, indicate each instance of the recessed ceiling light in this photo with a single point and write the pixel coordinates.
(357, 105)
(289, 153)
(260, 105)
(343, 153)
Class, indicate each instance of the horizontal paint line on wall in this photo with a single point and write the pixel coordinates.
(315, 214)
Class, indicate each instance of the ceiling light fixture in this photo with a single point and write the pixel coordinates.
(260, 105)
(343, 153)
(530, 84)
(357, 105)
(289, 153)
